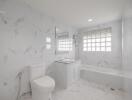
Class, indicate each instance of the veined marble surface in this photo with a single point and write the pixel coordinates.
(84, 90)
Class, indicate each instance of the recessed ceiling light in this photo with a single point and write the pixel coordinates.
(90, 20)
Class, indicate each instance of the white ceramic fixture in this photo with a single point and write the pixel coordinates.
(41, 85)
(65, 72)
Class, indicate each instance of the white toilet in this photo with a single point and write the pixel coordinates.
(41, 85)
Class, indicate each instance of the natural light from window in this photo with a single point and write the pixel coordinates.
(65, 45)
(48, 43)
(97, 41)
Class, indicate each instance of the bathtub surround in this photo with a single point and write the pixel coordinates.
(108, 77)
(103, 59)
(23, 31)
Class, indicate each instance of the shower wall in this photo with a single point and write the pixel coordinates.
(23, 31)
(103, 59)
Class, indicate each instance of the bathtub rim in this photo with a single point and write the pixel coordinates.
(103, 70)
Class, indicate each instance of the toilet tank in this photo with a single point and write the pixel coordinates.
(36, 71)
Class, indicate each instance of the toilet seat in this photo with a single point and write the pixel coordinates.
(41, 86)
(44, 83)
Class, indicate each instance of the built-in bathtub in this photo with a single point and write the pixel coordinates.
(110, 77)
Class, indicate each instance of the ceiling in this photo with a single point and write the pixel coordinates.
(77, 12)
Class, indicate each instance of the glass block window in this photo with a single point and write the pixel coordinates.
(65, 45)
(48, 43)
(98, 41)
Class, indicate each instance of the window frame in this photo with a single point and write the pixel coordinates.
(48, 43)
(65, 45)
(98, 41)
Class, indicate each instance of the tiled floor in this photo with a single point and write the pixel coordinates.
(84, 90)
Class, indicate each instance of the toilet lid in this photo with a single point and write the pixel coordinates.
(45, 81)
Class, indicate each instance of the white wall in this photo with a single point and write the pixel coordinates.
(112, 59)
(22, 43)
(127, 45)
(127, 54)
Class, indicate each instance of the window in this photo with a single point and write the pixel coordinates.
(48, 43)
(98, 41)
(65, 45)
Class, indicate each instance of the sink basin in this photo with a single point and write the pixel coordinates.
(66, 60)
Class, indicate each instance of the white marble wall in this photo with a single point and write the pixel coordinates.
(102, 59)
(22, 42)
(127, 54)
(127, 45)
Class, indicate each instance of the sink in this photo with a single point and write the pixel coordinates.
(65, 72)
(66, 60)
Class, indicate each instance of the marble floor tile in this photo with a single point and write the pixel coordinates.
(84, 90)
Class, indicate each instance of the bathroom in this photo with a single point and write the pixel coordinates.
(32, 33)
